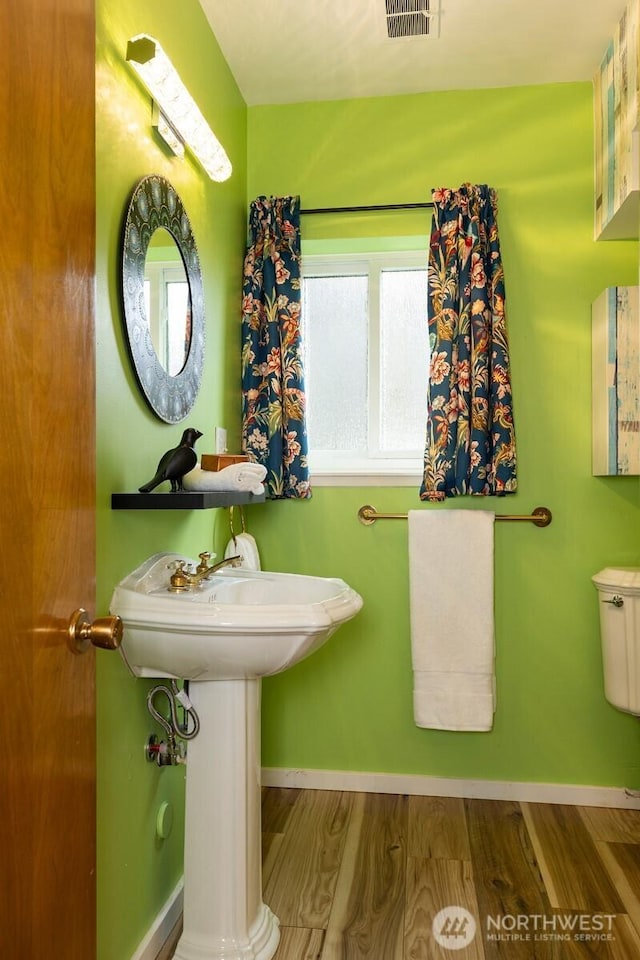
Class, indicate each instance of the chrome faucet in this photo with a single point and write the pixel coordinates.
(183, 580)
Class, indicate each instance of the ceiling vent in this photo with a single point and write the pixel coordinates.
(411, 18)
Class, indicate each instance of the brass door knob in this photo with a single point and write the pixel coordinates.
(104, 632)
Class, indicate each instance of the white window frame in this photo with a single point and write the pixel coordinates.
(159, 274)
(379, 468)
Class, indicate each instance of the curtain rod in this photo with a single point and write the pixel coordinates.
(365, 209)
(541, 516)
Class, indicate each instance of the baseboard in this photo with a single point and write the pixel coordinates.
(422, 786)
(162, 926)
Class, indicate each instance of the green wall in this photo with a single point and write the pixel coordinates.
(349, 707)
(137, 872)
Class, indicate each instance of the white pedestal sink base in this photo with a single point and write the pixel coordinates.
(234, 624)
(261, 943)
(224, 916)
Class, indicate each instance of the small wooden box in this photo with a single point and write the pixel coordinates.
(218, 461)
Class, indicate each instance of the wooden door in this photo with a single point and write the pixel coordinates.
(47, 478)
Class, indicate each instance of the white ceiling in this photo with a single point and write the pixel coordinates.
(287, 51)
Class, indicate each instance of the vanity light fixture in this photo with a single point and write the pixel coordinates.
(167, 132)
(163, 82)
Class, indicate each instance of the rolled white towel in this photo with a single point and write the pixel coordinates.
(245, 477)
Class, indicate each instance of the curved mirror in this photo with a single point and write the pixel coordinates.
(163, 300)
(167, 301)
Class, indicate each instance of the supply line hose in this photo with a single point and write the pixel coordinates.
(175, 696)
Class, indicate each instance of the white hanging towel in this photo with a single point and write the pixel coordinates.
(452, 624)
(244, 545)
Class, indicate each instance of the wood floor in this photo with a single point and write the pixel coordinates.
(356, 876)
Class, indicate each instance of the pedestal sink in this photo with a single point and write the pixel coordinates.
(225, 635)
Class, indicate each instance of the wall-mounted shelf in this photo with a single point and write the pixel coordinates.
(183, 500)
(616, 115)
(615, 389)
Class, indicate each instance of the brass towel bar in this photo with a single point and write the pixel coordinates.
(540, 517)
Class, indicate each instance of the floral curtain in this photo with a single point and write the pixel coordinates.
(470, 446)
(273, 397)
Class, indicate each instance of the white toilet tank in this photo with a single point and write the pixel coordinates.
(619, 595)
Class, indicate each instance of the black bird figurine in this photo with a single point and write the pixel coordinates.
(175, 463)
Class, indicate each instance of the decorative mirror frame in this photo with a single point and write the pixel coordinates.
(156, 204)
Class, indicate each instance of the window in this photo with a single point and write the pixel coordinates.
(167, 304)
(366, 366)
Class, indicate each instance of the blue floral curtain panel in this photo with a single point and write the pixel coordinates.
(470, 446)
(273, 398)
